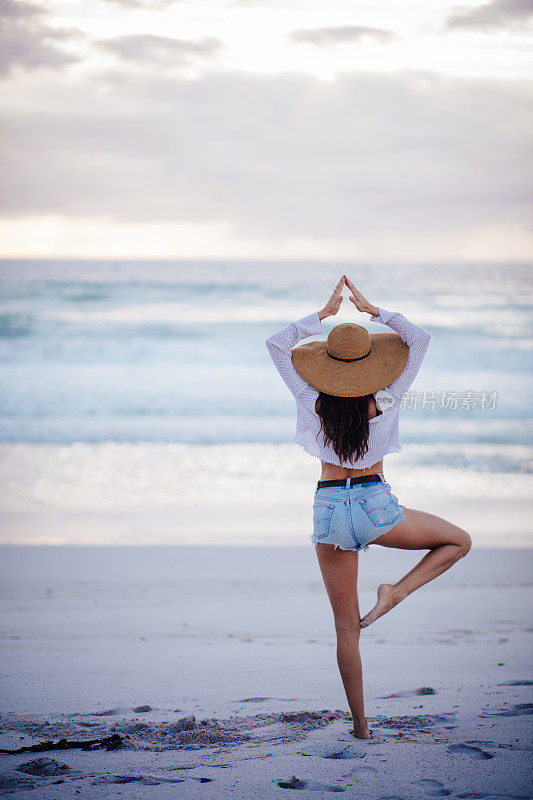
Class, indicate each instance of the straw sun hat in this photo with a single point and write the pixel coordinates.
(352, 362)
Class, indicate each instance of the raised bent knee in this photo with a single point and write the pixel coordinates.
(464, 544)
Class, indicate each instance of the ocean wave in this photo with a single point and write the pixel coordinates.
(215, 429)
(484, 321)
(16, 326)
(176, 351)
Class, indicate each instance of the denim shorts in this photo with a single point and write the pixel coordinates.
(352, 517)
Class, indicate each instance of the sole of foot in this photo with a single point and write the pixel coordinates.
(386, 600)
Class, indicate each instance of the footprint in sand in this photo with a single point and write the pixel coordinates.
(421, 691)
(310, 786)
(254, 699)
(516, 683)
(45, 767)
(262, 699)
(474, 796)
(10, 781)
(110, 712)
(432, 788)
(363, 771)
(332, 750)
(145, 780)
(316, 718)
(516, 711)
(469, 750)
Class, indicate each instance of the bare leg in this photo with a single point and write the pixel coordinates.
(339, 571)
(419, 530)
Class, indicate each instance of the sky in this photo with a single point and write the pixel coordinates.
(381, 130)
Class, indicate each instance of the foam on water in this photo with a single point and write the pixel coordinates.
(157, 493)
(134, 350)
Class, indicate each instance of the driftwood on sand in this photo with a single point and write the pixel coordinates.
(108, 742)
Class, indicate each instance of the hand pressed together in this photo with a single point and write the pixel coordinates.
(359, 301)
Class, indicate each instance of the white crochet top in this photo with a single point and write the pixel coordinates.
(383, 435)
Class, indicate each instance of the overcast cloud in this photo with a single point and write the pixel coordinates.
(159, 49)
(136, 138)
(279, 156)
(137, 4)
(28, 43)
(497, 15)
(344, 33)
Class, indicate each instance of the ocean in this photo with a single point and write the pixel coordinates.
(139, 404)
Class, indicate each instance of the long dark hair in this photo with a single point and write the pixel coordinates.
(344, 423)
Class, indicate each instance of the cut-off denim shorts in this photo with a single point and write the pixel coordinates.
(350, 517)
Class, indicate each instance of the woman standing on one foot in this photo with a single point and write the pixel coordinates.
(350, 425)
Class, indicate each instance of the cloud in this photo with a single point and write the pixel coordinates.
(270, 3)
(498, 14)
(276, 156)
(17, 9)
(343, 33)
(29, 44)
(159, 50)
(148, 4)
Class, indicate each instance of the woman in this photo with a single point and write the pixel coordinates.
(344, 420)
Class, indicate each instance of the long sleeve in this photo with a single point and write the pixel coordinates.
(279, 346)
(415, 337)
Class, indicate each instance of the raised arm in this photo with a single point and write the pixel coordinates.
(279, 346)
(280, 343)
(416, 338)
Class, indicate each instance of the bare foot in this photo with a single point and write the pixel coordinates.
(387, 599)
(364, 733)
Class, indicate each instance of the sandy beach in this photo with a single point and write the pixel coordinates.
(216, 666)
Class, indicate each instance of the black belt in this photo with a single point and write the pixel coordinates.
(342, 481)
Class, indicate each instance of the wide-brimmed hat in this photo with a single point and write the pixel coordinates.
(352, 362)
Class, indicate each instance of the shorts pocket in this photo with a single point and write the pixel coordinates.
(381, 509)
(373, 491)
(322, 514)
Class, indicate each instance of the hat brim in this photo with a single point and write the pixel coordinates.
(387, 360)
